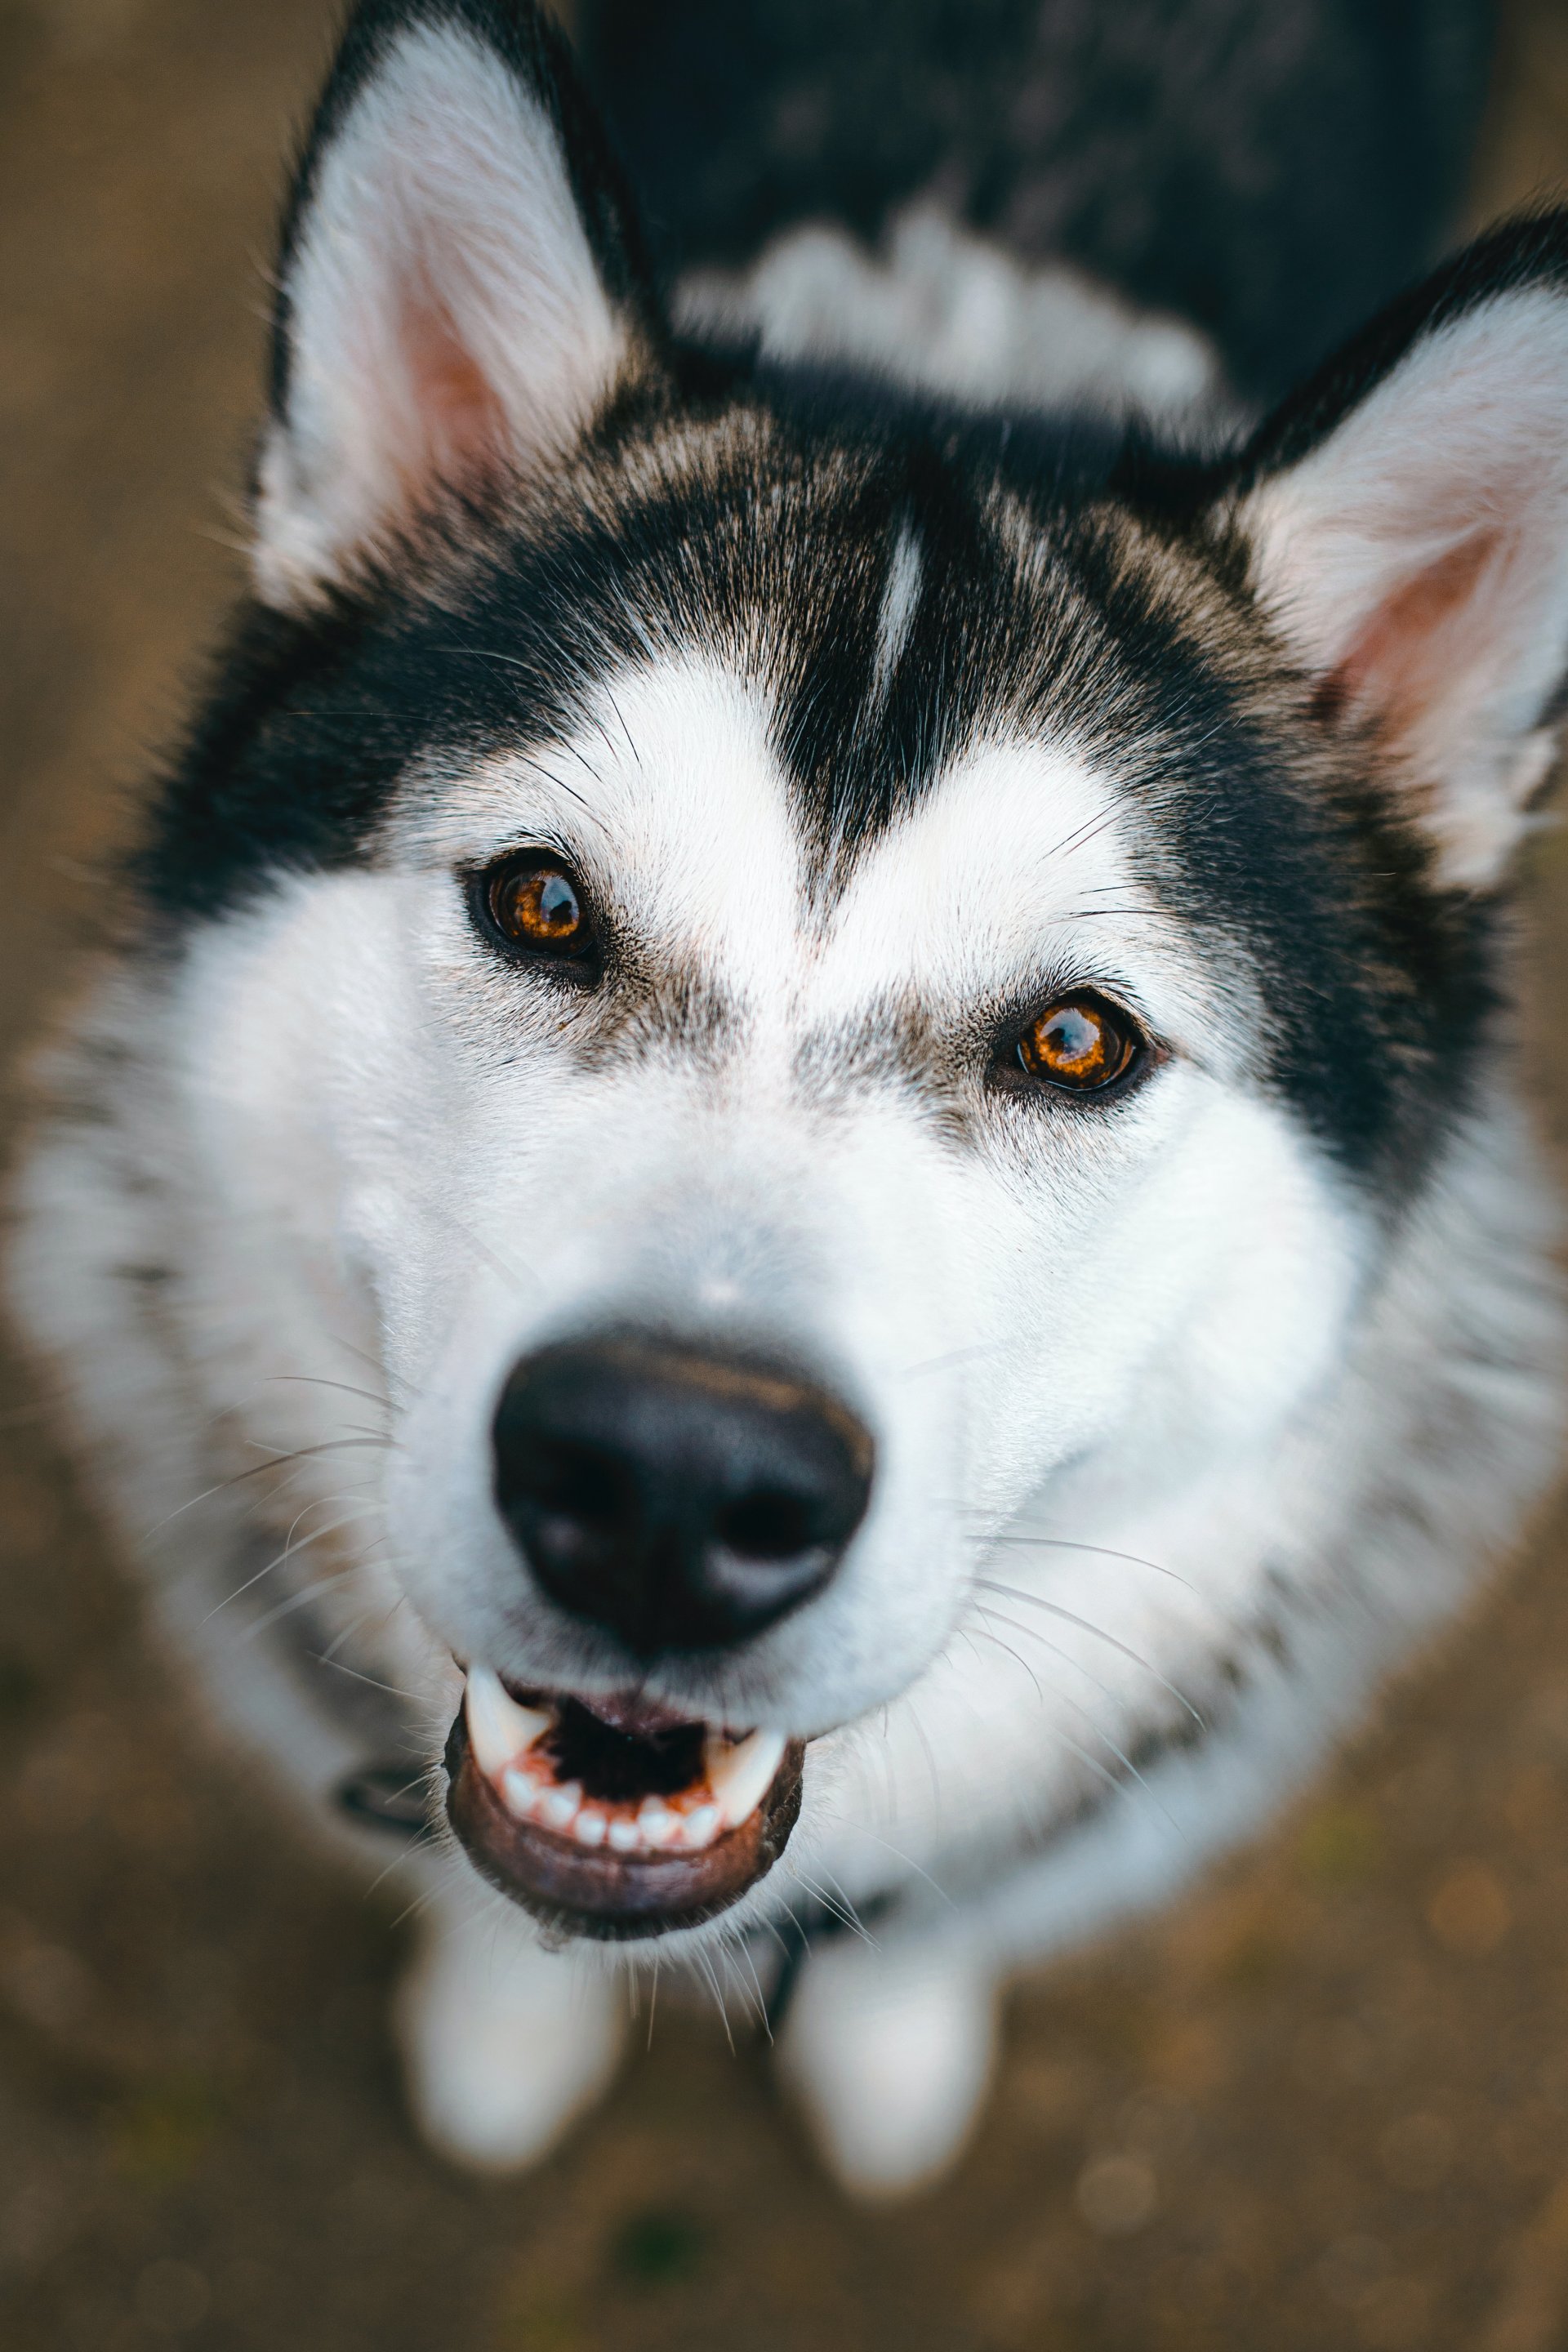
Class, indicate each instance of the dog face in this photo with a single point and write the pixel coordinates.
(807, 983)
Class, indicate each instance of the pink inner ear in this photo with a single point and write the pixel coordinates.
(460, 423)
(1420, 642)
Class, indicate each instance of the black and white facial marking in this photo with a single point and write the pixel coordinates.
(1015, 947)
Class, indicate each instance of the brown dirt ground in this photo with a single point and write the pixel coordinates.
(1332, 2090)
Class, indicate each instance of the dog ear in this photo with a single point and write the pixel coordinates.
(461, 284)
(1406, 521)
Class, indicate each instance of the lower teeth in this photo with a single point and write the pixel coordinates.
(506, 1740)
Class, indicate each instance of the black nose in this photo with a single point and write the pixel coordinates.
(681, 1499)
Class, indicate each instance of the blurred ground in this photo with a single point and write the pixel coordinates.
(1325, 2105)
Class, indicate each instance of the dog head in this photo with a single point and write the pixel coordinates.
(817, 973)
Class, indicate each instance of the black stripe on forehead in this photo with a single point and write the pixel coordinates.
(884, 676)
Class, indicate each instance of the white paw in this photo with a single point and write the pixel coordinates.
(504, 2044)
(890, 2055)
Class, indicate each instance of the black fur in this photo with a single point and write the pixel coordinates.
(1271, 171)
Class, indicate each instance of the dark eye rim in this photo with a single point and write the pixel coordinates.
(581, 962)
(1009, 1075)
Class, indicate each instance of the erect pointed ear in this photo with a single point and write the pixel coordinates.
(1407, 518)
(461, 285)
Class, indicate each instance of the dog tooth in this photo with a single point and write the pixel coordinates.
(558, 1807)
(740, 1776)
(589, 1828)
(499, 1730)
(657, 1825)
(700, 1824)
(624, 1836)
(521, 1792)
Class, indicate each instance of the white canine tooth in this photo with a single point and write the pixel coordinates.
(558, 1807)
(626, 1837)
(521, 1792)
(740, 1776)
(499, 1730)
(701, 1825)
(589, 1828)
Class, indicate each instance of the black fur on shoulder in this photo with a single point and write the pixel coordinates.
(1270, 171)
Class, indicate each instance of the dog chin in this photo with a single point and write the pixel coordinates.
(614, 1819)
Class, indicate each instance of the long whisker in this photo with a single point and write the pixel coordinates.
(896, 1851)
(1096, 1764)
(1070, 1617)
(850, 1919)
(653, 1996)
(291, 1551)
(261, 1445)
(354, 1675)
(313, 1381)
(1100, 1551)
(705, 1963)
(328, 1657)
(301, 1600)
(1033, 1633)
(1120, 1754)
(257, 1470)
(735, 1950)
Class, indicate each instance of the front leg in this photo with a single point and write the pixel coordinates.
(504, 2044)
(890, 2053)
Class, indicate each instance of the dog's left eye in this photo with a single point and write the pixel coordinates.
(537, 904)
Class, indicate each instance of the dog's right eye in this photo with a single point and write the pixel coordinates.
(536, 905)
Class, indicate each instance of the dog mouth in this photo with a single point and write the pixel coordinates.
(612, 1817)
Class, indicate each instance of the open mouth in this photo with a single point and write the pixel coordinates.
(612, 1817)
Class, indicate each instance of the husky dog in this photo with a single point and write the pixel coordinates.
(800, 1201)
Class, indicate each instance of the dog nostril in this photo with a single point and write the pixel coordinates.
(769, 1525)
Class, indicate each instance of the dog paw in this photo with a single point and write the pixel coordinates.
(504, 2045)
(889, 2055)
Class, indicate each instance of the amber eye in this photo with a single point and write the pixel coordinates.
(1080, 1044)
(536, 904)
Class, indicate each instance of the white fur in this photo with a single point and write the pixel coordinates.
(949, 312)
(900, 600)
